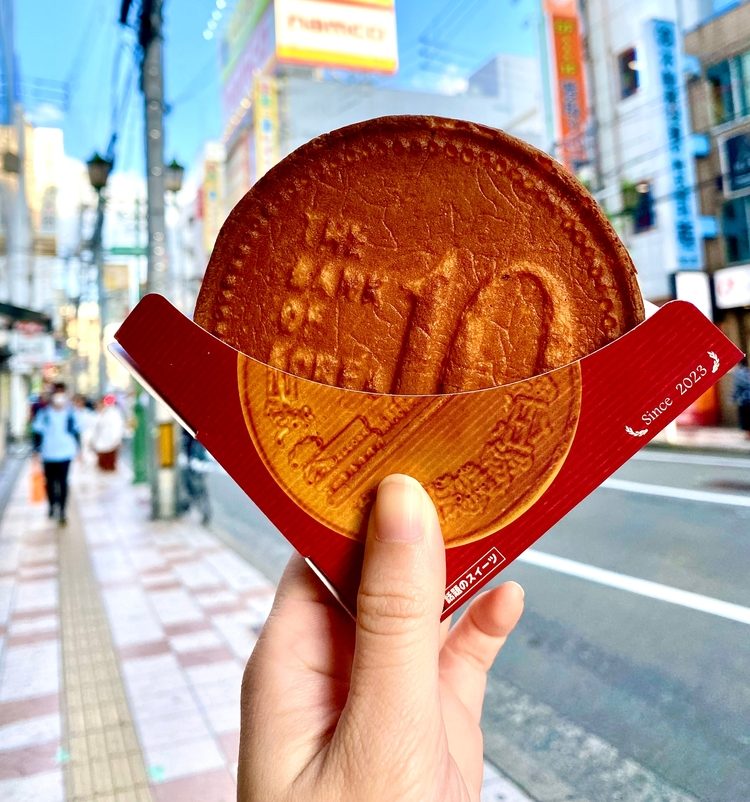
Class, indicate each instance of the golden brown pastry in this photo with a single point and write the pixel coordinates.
(418, 255)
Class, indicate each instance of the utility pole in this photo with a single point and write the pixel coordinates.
(160, 424)
(101, 289)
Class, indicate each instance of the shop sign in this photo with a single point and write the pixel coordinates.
(663, 43)
(732, 287)
(572, 110)
(694, 286)
(238, 82)
(357, 35)
(242, 24)
(266, 106)
(30, 349)
(210, 204)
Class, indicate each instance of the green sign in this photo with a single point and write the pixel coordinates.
(125, 250)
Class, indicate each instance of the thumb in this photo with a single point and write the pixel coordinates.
(395, 667)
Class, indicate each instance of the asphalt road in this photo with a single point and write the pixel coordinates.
(628, 677)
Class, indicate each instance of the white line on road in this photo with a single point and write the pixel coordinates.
(693, 459)
(730, 499)
(641, 587)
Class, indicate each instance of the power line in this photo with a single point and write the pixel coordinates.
(83, 51)
(189, 91)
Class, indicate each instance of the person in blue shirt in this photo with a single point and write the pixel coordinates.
(59, 435)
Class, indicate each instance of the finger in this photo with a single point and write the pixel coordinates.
(301, 602)
(472, 645)
(395, 669)
(299, 583)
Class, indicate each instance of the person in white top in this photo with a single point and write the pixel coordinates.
(107, 433)
(85, 415)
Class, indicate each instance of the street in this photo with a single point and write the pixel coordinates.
(613, 687)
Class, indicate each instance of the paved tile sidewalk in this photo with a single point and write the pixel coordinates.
(122, 644)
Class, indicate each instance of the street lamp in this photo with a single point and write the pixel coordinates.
(99, 169)
(173, 175)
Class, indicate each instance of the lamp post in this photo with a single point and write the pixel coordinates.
(173, 175)
(99, 169)
(174, 172)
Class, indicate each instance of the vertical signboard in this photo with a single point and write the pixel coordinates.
(350, 34)
(569, 79)
(252, 55)
(211, 204)
(667, 68)
(266, 118)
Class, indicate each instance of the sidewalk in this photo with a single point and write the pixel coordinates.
(122, 645)
(704, 438)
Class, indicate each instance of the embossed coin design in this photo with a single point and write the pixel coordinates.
(418, 255)
(484, 457)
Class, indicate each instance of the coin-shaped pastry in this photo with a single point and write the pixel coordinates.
(483, 457)
(418, 255)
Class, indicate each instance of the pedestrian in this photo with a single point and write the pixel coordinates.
(195, 463)
(85, 415)
(107, 432)
(58, 436)
(741, 395)
(384, 707)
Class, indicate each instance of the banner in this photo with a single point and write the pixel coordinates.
(572, 111)
(350, 34)
(237, 85)
(665, 56)
(241, 26)
(266, 106)
(210, 204)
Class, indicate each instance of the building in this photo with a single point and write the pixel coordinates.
(719, 97)
(31, 272)
(192, 227)
(288, 77)
(644, 170)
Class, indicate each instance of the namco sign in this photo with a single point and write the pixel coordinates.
(347, 34)
(336, 27)
(732, 287)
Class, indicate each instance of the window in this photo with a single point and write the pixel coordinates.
(721, 96)
(644, 217)
(735, 226)
(627, 63)
(729, 88)
(743, 68)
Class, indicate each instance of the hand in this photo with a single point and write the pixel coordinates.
(384, 709)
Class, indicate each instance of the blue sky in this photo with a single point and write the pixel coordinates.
(79, 43)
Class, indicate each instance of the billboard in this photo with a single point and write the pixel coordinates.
(242, 24)
(266, 117)
(665, 56)
(569, 80)
(254, 54)
(355, 35)
(732, 286)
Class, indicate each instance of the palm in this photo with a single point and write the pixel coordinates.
(308, 649)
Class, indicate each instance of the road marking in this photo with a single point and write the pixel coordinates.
(693, 459)
(705, 496)
(641, 587)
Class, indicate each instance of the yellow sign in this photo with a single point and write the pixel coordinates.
(266, 118)
(116, 277)
(349, 34)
